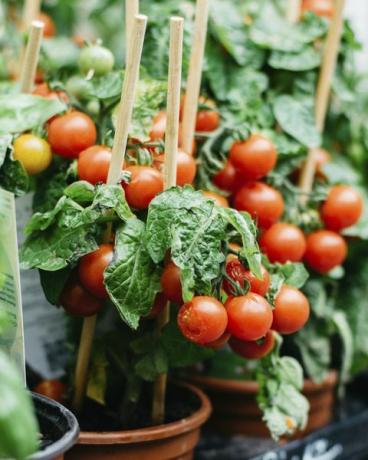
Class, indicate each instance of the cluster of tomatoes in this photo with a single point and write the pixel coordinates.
(246, 321)
(282, 242)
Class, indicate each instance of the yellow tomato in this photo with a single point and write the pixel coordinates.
(33, 152)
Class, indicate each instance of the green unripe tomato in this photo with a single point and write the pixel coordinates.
(78, 87)
(96, 58)
(93, 107)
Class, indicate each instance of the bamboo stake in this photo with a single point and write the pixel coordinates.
(171, 151)
(117, 160)
(131, 11)
(31, 56)
(31, 10)
(195, 75)
(293, 11)
(323, 93)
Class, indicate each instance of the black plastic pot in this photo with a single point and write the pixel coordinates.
(58, 426)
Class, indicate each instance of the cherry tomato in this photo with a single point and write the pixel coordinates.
(33, 152)
(236, 271)
(71, 133)
(49, 29)
(217, 198)
(265, 204)
(77, 301)
(171, 283)
(219, 343)
(207, 120)
(283, 243)
(91, 270)
(186, 167)
(259, 286)
(322, 157)
(255, 157)
(225, 179)
(96, 58)
(249, 317)
(252, 349)
(325, 250)
(323, 8)
(78, 87)
(343, 208)
(43, 90)
(202, 320)
(291, 310)
(53, 389)
(145, 184)
(94, 163)
(158, 306)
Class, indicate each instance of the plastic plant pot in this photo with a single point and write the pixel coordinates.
(58, 426)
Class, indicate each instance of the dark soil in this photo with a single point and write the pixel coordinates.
(180, 403)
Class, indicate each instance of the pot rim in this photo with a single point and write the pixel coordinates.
(184, 425)
(67, 441)
(250, 386)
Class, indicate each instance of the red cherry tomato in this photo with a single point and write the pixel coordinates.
(43, 90)
(49, 29)
(250, 316)
(202, 320)
(322, 157)
(323, 8)
(77, 301)
(217, 198)
(207, 120)
(265, 204)
(343, 208)
(221, 342)
(225, 179)
(71, 133)
(145, 184)
(291, 310)
(158, 306)
(325, 250)
(94, 163)
(259, 286)
(252, 349)
(283, 243)
(171, 283)
(236, 271)
(186, 167)
(53, 389)
(91, 270)
(255, 157)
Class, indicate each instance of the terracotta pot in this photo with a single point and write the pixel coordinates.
(235, 409)
(173, 441)
(58, 426)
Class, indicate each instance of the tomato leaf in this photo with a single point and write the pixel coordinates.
(18, 424)
(13, 177)
(188, 224)
(244, 225)
(132, 279)
(296, 118)
(5, 143)
(23, 112)
(306, 59)
(53, 283)
(57, 53)
(346, 336)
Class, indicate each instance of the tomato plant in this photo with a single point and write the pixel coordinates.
(71, 133)
(171, 284)
(202, 320)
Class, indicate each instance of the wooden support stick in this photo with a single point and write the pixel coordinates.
(195, 75)
(293, 11)
(131, 11)
(31, 56)
(31, 10)
(171, 151)
(323, 93)
(117, 160)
